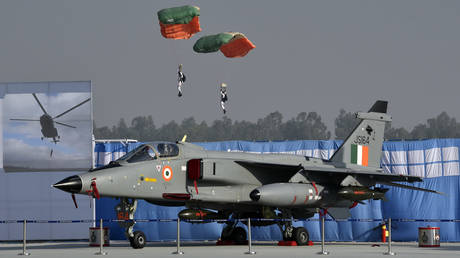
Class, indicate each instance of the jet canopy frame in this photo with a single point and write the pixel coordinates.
(151, 151)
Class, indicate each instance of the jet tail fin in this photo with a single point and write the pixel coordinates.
(364, 145)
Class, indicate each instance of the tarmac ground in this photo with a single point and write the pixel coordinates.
(81, 249)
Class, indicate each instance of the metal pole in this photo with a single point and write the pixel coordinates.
(101, 244)
(24, 244)
(250, 238)
(93, 200)
(389, 239)
(178, 251)
(323, 252)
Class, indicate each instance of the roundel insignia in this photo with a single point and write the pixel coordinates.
(167, 173)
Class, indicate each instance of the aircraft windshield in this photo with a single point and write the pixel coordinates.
(166, 149)
(141, 153)
(151, 151)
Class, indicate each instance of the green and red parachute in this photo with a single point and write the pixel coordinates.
(179, 22)
(231, 44)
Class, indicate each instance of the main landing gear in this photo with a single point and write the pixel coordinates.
(298, 234)
(125, 211)
(234, 234)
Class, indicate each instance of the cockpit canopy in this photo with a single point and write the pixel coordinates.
(151, 151)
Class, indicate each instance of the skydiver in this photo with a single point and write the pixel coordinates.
(223, 96)
(180, 80)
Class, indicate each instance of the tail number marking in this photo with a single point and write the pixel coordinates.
(361, 140)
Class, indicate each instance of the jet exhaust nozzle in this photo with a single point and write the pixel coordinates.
(70, 184)
(255, 195)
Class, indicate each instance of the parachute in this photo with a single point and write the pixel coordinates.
(179, 22)
(231, 44)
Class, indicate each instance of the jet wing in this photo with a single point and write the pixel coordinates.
(268, 173)
(411, 187)
(377, 176)
(285, 171)
(273, 172)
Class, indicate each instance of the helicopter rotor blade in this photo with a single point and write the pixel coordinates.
(38, 101)
(18, 119)
(72, 108)
(59, 123)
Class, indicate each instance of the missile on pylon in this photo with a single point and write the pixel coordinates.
(200, 214)
(360, 193)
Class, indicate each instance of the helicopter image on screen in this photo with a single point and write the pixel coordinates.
(47, 122)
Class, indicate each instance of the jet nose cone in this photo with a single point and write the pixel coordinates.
(71, 184)
(255, 195)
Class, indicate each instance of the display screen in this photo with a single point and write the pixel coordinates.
(46, 126)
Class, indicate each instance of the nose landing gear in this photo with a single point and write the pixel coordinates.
(137, 241)
(125, 213)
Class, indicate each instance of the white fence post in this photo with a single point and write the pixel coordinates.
(178, 251)
(249, 238)
(24, 244)
(102, 240)
(323, 252)
(389, 252)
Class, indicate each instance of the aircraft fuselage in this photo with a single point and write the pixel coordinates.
(212, 179)
(48, 128)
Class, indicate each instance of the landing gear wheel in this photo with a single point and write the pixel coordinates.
(288, 233)
(239, 235)
(226, 233)
(138, 241)
(131, 241)
(287, 238)
(300, 235)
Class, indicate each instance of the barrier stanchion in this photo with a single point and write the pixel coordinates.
(249, 238)
(178, 251)
(101, 245)
(322, 218)
(323, 252)
(389, 252)
(24, 244)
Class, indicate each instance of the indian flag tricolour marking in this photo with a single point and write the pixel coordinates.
(359, 154)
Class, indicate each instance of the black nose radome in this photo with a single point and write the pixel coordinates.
(255, 195)
(71, 184)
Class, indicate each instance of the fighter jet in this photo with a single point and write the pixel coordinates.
(223, 185)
